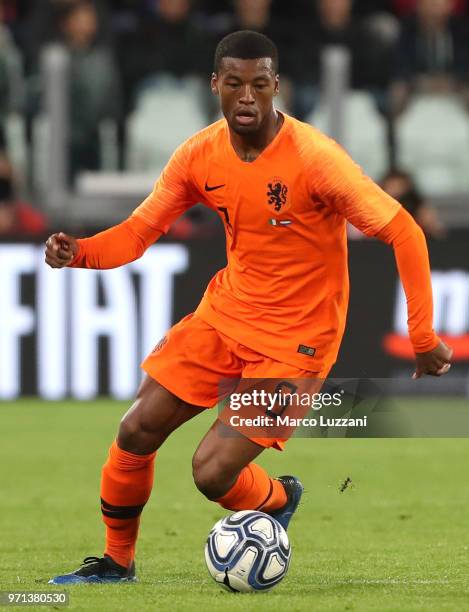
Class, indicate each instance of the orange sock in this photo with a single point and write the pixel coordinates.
(126, 484)
(254, 490)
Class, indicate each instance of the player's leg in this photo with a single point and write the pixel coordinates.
(127, 476)
(224, 472)
(127, 480)
(188, 363)
(223, 464)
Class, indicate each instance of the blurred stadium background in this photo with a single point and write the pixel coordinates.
(95, 96)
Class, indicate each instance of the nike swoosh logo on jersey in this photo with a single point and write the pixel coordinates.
(208, 188)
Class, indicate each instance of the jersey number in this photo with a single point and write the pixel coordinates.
(229, 227)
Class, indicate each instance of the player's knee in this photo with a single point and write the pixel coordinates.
(137, 433)
(128, 431)
(212, 476)
(209, 483)
(153, 416)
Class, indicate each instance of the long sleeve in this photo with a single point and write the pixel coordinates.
(174, 192)
(411, 255)
(172, 195)
(115, 246)
(339, 182)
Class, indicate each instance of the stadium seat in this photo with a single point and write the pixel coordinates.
(167, 112)
(432, 140)
(365, 135)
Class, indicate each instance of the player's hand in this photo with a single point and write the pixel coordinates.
(60, 250)
(435, 363)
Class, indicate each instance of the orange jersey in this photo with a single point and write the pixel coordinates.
(284, 291)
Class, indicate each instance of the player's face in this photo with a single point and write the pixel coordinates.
(246, 89)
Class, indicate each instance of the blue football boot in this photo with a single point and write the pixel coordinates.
(294, 490)
(97, 570)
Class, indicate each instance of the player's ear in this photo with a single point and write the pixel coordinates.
(277, 85)
(214, 83)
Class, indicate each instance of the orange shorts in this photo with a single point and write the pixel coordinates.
(193, 357)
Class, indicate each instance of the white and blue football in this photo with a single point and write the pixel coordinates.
(247, 551)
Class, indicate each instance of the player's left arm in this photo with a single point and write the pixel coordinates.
(410, 249)
(356, 197)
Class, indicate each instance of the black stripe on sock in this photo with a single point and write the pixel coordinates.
(268, 496)
(110, 507)
(120, 512)
(122, 515)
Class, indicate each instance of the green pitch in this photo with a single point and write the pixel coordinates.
(396, 539)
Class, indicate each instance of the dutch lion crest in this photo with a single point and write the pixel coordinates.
(277, 193)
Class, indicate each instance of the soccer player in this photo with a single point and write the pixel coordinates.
(284, 192)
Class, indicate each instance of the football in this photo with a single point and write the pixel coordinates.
(247, 551)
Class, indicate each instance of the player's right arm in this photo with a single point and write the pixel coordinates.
(112, 248)
(172, 195)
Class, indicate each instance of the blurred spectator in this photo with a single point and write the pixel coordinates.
(258, 15)
(42, 26)
(252, 15)
(167, 41)
(432, 53)
(332, 23)
(17, 218)
(94, 84)
(400, 186)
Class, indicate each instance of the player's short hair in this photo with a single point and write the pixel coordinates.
(246, 44)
